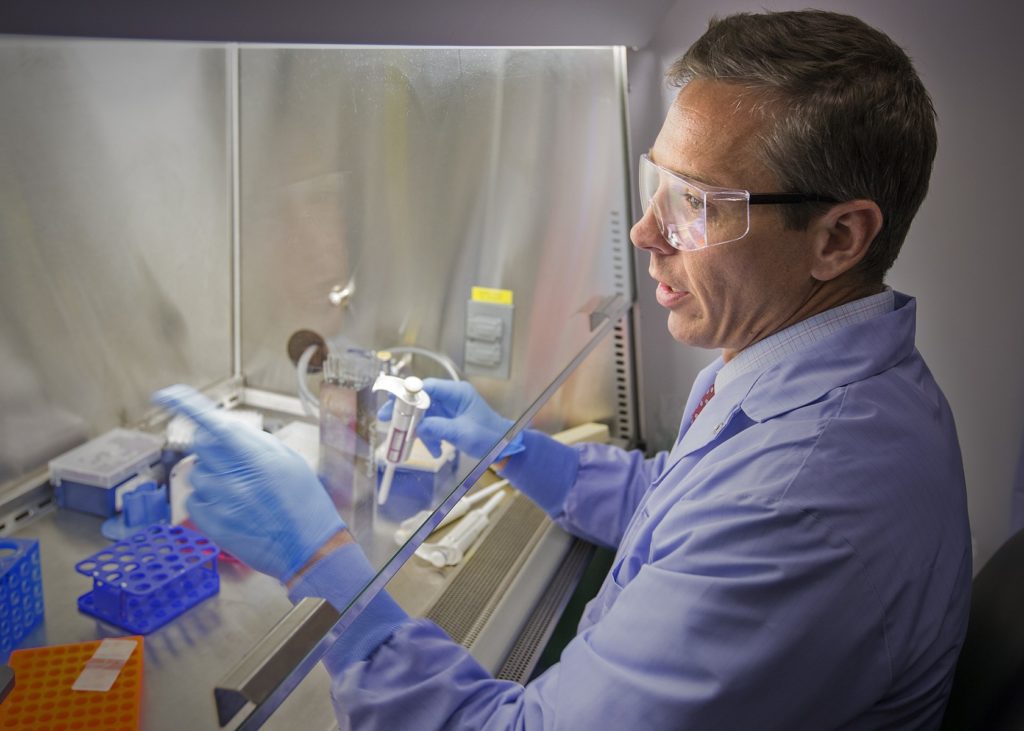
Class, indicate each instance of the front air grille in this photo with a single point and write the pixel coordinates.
(472, 595)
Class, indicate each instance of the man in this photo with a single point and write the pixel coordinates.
(800, 559)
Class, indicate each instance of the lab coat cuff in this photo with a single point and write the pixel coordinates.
(339, 577)
(545, 470)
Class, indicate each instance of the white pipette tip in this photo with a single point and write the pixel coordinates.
(385, 483)
(492, 503)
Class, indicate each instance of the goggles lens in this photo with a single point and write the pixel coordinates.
(691, 215)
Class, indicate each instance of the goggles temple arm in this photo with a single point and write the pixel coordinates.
(788, 198)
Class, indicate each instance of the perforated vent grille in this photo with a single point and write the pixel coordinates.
(519, 664)
(622, 275)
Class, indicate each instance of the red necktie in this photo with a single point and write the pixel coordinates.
(703, 402)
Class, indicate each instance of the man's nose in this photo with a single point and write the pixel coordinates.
(646, 235)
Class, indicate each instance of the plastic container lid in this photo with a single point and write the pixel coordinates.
(107, 460)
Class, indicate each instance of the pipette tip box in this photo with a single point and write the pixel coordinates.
(91, 477)
(43, 697)
(149, 578)
(21, 591)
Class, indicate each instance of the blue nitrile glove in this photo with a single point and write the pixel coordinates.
(253, 495)
(459, 415)
(338, 578)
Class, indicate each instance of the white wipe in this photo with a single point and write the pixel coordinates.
(101, 672)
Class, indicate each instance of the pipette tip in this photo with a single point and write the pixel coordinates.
(385, 483)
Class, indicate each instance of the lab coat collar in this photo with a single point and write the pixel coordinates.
(853, 354)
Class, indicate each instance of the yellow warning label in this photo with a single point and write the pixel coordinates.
(494, 296)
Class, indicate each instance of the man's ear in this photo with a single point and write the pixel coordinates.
(842, 236)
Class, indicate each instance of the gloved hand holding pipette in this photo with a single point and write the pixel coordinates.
(537, 465)
(408, 403)
(460, 416)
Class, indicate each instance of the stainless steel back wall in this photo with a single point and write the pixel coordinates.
(417, 174)
(114, 235)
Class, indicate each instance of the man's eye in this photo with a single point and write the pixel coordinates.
(694, 203)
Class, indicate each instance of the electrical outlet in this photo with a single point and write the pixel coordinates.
(488, 339)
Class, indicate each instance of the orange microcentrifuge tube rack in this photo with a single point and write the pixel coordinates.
(42, 697)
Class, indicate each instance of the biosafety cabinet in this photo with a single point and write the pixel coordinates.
(268, 223)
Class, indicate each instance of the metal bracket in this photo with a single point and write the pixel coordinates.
(607, 308)
(270, 662)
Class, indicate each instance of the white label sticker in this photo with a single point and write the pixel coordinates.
(101, 672)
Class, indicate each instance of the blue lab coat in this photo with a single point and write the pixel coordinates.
(799, 560)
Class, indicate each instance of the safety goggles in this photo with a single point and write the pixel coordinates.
(693, 215)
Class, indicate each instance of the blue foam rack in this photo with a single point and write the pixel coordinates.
(21, 591)
(150, 577)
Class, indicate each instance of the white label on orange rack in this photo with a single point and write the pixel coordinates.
(105, 665)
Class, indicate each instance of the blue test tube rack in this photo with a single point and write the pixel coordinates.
(21, 591)
(149, 578)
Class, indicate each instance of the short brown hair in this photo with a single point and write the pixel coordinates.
(847, 115)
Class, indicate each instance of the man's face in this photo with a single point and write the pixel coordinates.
(731, 295)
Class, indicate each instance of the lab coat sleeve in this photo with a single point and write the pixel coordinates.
(609, 486)
(591, 490)
(746, 616)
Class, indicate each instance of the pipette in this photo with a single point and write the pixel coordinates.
(411, 401)
(411, 525)
(451, 549)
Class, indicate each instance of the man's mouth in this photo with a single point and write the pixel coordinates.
(668, 288)
(668, 295)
